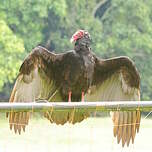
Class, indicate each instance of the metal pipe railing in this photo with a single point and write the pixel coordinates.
(90, 106)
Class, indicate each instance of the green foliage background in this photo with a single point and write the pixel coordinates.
(121, 28)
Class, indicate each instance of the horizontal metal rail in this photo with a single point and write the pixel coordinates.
(81, 106)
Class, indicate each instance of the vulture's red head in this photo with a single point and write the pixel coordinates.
(81, 37)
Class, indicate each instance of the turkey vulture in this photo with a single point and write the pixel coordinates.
(77, 75)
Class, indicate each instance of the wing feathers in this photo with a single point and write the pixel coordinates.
(28, 88)
(138, 120)
(35, 82)
(129, 126)
(116, 88)
(124, 134)
(120, 127)
(116, 122)
(133, 125)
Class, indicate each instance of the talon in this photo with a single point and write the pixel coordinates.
(69, 96)
(41, 101)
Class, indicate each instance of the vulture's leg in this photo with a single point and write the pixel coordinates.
(69, 96)
(82, 96)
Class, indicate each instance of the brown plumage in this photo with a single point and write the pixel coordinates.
(49, 76)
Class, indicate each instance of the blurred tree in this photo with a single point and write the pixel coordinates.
(77, 15)
(127, 30)
(11, 48)
(27, 18)
(117, 27)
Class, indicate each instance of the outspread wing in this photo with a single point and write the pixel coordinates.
(117, 79)
(34, 82)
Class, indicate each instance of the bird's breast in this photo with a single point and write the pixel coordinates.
(75, 75)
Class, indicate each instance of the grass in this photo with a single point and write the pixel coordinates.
(92, 135)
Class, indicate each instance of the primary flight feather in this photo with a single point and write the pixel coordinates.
(77, 75)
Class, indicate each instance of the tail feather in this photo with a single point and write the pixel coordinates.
(61, 117)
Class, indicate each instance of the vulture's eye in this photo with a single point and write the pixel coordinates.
(86, 36)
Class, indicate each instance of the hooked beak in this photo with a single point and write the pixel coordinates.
(72, 40)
